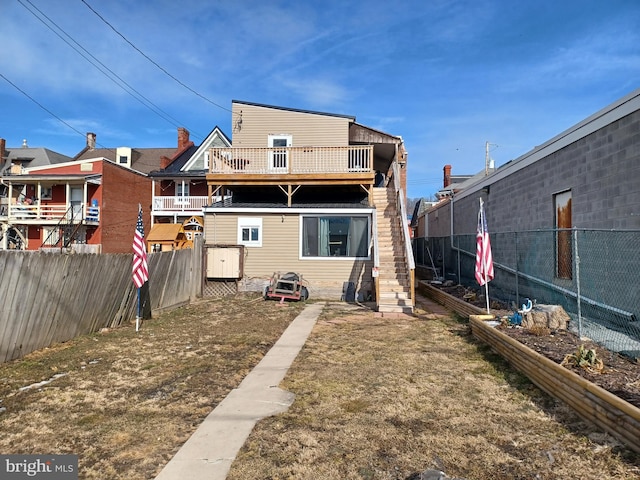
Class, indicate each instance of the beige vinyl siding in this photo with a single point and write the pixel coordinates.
(280, 252)
(306, 129)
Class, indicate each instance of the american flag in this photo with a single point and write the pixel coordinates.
(484, 260)
(140, 267)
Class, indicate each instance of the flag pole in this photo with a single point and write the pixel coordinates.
(484, 258)
(138, 314)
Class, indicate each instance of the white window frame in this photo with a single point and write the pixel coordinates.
(250, 223)
(337, 257)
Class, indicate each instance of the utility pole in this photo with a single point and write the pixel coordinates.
(486, 158)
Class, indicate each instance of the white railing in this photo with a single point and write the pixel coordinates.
(51, 212)
(291, 160)
(179, 204)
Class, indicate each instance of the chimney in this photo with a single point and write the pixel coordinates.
(3, 147)
(164, 162)
(447, 175)
(91, 141)
(183, 138)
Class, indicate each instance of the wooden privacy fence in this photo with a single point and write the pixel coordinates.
(53, 297)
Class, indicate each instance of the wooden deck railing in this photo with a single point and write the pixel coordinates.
(291, 160)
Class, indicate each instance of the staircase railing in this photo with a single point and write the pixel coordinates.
(64, 232)
(376, 257)
(410, 262)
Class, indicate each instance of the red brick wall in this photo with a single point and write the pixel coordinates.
(122, 191)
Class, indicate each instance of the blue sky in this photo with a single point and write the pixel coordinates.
(446, 75)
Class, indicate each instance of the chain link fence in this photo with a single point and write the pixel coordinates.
(593, 274)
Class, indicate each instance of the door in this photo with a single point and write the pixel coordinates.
(564, 252)
(77, 194)
(279, 153)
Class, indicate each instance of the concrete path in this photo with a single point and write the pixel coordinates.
(208, 453)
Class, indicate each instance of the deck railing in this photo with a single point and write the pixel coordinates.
(291, 160)
(179, 204)
(51, 212)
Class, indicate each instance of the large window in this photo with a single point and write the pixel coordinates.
(338, 236)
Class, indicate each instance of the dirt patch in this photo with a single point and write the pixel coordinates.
(620, 375)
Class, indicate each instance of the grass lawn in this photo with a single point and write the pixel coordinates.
(376, 398)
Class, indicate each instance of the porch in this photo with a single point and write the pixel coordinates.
(291, 168)
(50, 213)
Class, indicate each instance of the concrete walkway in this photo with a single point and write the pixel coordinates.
(209, 452)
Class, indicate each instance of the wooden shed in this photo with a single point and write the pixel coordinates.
(165, 237)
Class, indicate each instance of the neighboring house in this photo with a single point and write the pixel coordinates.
(316, 194)
(14, 161)
(180, 185)
(88, 206)
(586, 177)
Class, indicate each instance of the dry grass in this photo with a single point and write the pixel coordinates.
(380, 398)
(129, 400)
(376, 398)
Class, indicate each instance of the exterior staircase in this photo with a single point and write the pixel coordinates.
(394, 277)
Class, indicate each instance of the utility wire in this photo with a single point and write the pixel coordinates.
(101, 67)
(43, 107)
(153, 61)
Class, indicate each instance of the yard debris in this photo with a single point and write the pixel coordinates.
(42, 383)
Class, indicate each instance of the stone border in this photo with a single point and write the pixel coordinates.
(593, 403)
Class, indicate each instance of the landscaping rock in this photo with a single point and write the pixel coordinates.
(552, 317)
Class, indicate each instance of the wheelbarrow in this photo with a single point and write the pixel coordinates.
(288, 286)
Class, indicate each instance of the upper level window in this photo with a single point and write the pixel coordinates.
(335, 236)
(123, 159)
(182, 189)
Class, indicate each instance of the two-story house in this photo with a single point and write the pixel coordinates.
(313, 193)
(180, 189)
(87, 206)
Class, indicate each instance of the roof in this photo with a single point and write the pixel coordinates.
(351, 117)
(165, 232)
(33, 157)
(142, 159)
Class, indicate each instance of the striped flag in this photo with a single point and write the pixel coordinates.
(140, 267)
(484, 260)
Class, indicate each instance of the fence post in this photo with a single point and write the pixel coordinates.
(517, 271)
(458, 253)
(577, 268)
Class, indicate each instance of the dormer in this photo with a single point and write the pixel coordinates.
(123, 156)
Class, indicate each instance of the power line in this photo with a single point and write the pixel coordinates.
(102, 68)
(42, 106)
(153, 61)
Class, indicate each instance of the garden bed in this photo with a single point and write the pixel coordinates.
(610, 399)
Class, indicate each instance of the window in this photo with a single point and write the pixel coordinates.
(338, 236)
(250, 232)
(182, 189)
(46, 193)
(124, 159)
